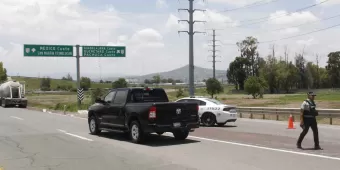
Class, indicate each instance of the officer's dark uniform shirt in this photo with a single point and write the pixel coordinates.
(308, 107)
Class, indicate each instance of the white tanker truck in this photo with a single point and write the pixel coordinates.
(12, 94)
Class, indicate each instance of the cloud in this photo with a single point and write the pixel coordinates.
(290, 30)
(284, 18)
(215, 19)
(200, 3)
(308, 42)
(68, 22)
(234, 2)
(147, 38)
(173, 24)
(161, 4)
(328, 3)
(49, 21)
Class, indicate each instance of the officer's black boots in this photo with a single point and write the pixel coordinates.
(298, 145)
(317, 147)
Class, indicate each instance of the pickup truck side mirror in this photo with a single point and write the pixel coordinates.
(98, 100)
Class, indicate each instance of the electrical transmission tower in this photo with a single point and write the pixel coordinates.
(191, 33)
(214, 45)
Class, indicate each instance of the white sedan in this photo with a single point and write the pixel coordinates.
(212, 111)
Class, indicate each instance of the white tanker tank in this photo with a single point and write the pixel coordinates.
(12, 94)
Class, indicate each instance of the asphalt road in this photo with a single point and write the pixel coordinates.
(37, 140)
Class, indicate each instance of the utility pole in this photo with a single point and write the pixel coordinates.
(191, 33)
(214, 52)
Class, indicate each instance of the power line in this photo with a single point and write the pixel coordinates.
(299, 35)
(268, 18)
(191, 33)
(299, 25)
(254, 4)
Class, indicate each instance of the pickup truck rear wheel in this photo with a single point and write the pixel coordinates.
(181, 134)
(136, 133)
(93, 126)
(3, 103)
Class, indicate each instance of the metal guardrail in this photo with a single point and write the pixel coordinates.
(265, 111)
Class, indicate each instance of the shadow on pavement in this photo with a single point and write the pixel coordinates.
(152, 140)
(311, 149)
(226, 126)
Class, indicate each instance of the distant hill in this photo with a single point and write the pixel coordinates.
(182, 73)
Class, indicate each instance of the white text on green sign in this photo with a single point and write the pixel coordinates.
(48, 50)
(104, 51)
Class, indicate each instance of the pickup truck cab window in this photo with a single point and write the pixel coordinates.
(121, 97)
(109, 97)
(154, 95)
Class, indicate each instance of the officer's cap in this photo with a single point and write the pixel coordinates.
(311, 93)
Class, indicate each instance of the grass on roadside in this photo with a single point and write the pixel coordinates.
(325, 99)
(33, 83)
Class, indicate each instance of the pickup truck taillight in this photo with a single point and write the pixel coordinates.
(197, 107)
(152, 112)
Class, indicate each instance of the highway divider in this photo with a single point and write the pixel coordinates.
(270, 112)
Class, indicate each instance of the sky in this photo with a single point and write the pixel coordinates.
(149, 30)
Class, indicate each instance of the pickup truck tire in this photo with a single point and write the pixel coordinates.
(221, 124)
(181, 135)
(3, 103)
(136, 133)
(93, 126)
(208, 119)
(160, 133)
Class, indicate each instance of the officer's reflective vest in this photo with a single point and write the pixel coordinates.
(312, 111)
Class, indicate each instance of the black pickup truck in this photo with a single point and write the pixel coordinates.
(141, 111)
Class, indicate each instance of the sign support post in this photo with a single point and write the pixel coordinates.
(78, 75)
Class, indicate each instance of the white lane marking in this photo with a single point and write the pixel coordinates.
(246, 120)
(14, 117)
(61, 130)
(51, 113)
(77, 136)
(240, 144)
(266, 148)
(242, 119)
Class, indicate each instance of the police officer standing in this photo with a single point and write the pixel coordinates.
(308, 119)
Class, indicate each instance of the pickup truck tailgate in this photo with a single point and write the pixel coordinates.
(168, 113)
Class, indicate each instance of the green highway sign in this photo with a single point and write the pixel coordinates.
(104, 51)
(31, 50)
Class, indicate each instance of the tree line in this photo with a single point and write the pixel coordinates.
(157, 80)
(3, 73)
(258, 75)
(85, 83)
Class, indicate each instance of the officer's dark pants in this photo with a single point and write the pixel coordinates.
(310, 122)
